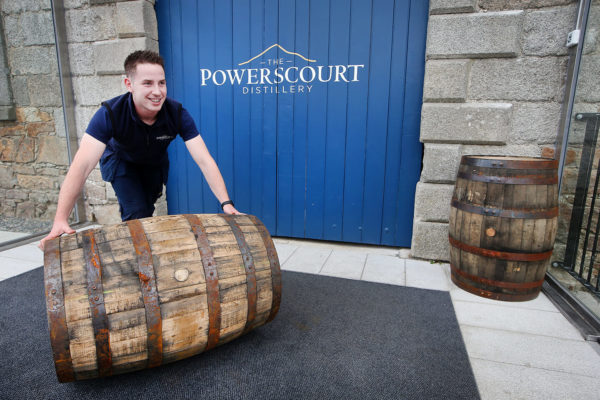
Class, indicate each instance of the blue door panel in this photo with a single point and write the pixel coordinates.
(336, 157)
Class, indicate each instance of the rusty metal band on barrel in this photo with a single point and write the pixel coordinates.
(149, 290)
(541, 213)
(509, 164)
(275, 268)
(96, 300)
(212, 280)
(57, 318)
(250, 270)
(493, 295)
(511, 180)
(500, 284)
(501, 255)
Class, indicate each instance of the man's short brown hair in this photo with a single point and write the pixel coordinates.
(141, 57)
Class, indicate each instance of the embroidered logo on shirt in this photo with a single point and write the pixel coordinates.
(164, 137)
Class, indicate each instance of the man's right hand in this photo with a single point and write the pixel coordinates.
(58, 229)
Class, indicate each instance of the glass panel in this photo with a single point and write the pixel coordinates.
(33, 147)
(576, 259)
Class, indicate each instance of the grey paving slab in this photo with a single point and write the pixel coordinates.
(6, 236)
(307, 259)
(426, 275)
(385, 269)
(28, 252)
(284, 250)
(10, 267)
(536, 322)
(540, 303)
(554, 354)
(344, 264)
(500, 381)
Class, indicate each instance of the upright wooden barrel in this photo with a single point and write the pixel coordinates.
(151, 291)
(503, 223)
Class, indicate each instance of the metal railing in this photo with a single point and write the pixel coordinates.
(580, 257)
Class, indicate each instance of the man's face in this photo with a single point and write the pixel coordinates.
(148, 89)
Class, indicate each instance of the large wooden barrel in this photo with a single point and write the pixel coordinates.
(151, 291)
(503, 223)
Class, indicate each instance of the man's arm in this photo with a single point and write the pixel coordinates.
(86, 158)
(211, 172)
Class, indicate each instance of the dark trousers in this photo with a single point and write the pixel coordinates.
(137, 188)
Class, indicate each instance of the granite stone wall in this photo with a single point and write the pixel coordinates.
(33, 149)
(494, 83)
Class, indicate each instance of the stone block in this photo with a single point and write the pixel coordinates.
(588, 84)
(25, 150)
(12, 130)
(440, 163)
(475, 35)
(53, 150)
(95, 193)
(106, 214)
(83, 115)
(535, 122)
(445, 81)
(59, 122)
(91, 24)
(136, 18)
(93, 90)
(81, 59)
(110, 55)
(8, 148)
(7, 178)
(26, 210)
(430, 241)
(466, 123)
(44, 90)
(498, 5)
(13, 7)
(29, 29)
(16, 194)
(110, 192)
(530, 78)
(545, 32)
(432, 202)
(36, 182)
(32, 60)
(31, 114)
(451, 6)
(20, 91)
(531, 150)
(35, 128)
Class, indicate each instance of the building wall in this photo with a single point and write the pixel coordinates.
(494, 83)
(495, 71)
(33, 149)
(100, 35)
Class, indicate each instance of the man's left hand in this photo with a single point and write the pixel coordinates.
(229, 209)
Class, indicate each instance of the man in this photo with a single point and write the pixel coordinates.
(129, 135)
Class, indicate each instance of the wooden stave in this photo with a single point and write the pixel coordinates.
(129, 319)
(476, 193)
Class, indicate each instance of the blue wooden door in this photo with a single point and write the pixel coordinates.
(310, 108)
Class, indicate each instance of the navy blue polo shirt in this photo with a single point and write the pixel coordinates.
(134, 141)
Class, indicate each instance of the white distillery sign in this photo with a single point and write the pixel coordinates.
(276, 77)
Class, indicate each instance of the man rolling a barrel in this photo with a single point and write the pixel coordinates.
(129, 135)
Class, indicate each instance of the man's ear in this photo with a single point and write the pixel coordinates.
(127, 82)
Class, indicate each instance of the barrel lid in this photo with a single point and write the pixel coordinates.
(516, 162)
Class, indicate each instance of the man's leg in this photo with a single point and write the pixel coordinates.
(131, 191)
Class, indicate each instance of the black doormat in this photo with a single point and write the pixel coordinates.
(332, 339)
